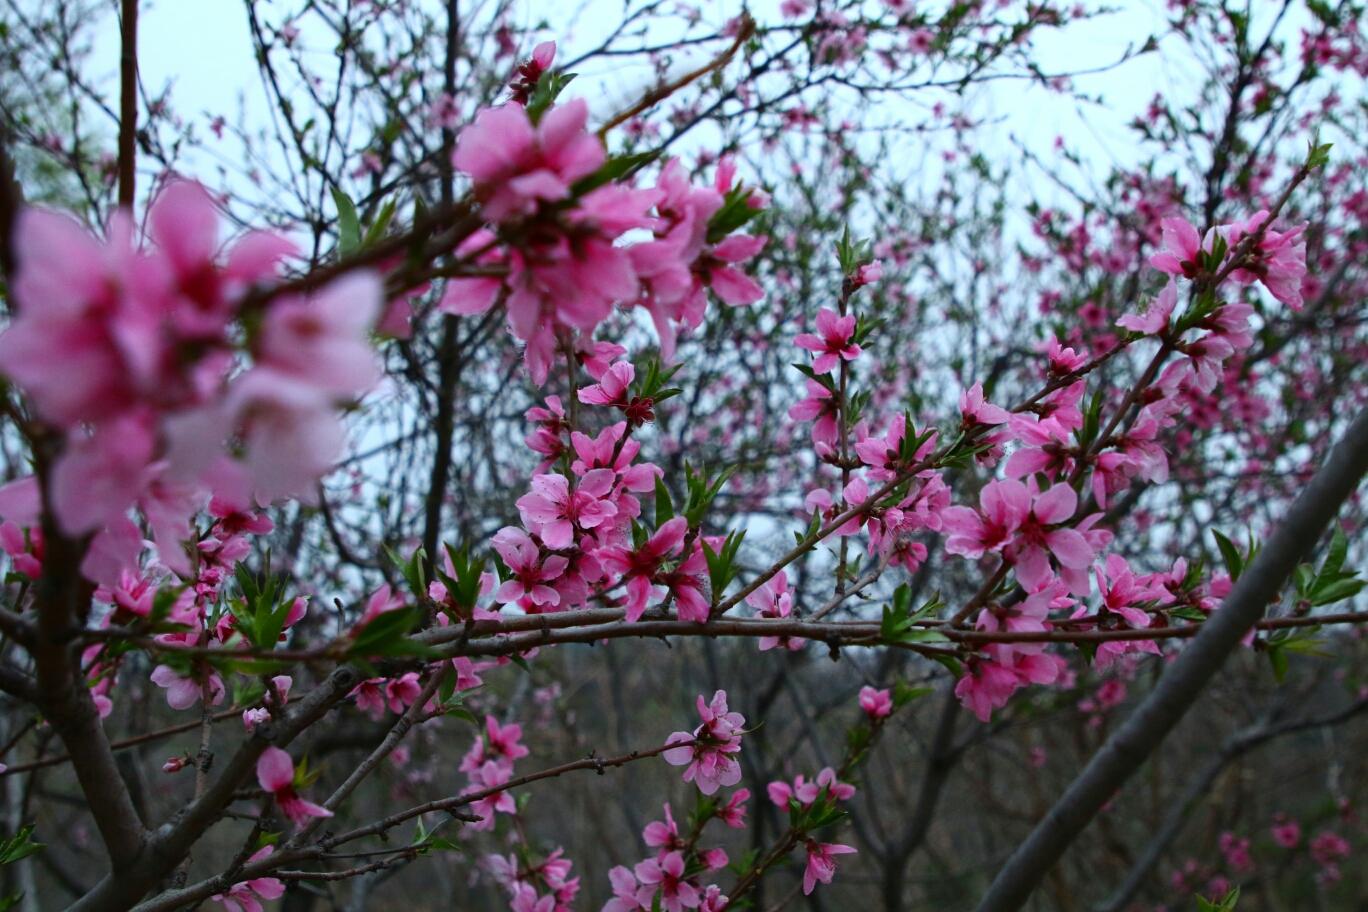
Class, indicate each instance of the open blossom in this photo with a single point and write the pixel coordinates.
(774, 600)
(818, 407)
(1040, 536)
(805, 792)
(877, 703)
(1002, 508)
(733, 813)
(831, 342)
(531, 573)
(1278, 260)
(182, 693)
(821, 866)
(514, 164)
(500, 744)
(665, 877)
(625, 888)
(708, 750)
(553, 510)
(639, 566)
(275, 772)
(1155, 319)
(490, 775)
(247, 895)
(1286, 833)
(977, 410)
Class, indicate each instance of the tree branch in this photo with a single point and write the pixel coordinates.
(1185, 679)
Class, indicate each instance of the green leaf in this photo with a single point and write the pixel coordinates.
(19, 845)
(376, 231)
(549, 87)
(664, 510)
(614, 169)
(905, 693)
(348, 225)
(1334, 555)
(387, 635)
(1278, 659)
(1230, 554)
(1336, 591)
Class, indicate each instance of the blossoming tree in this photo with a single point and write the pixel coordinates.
(581, 339)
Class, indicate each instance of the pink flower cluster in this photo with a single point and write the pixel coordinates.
(558, 248)
(128, 347)
(489, 764)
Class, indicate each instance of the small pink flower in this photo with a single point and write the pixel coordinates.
(247, 895)
(733, 813)
(832, 341)
(708, 750)
(1286, 833)
(1155, 319)
(821, 866)
(275, 772)
(877, 703)
(666, 877)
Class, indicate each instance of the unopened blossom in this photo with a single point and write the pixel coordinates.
(877, 703)
(275, 772)
(821, 865)
(832, 341)
(709, 750)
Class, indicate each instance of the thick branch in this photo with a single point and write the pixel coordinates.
(1180, 686)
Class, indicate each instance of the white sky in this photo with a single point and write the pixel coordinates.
(203, 48)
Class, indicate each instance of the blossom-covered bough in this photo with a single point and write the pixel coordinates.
(173, 393)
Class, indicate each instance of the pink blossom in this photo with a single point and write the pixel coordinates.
(1003, 507)
(554, 511)
(247, 895)
(499, 743)
(275, 772)
(514, 164)
(612, 386)
(531, 573)
(640, 565)
(978, 411)
(733, 813)
(1182, 245)
(490, 775)
(625, 890)
(820, 407)
(877, 703)
(667, 878)
(1041, 536)
(985, 686)
(1286, 833)
(832, 341)
(708, 750)
(774, 600)
(182, 693)
(821, 866)
(663, 836)
(1155, 319)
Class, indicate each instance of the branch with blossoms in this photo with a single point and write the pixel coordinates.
(173, 391)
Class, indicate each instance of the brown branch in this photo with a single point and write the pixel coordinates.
(128, 102)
